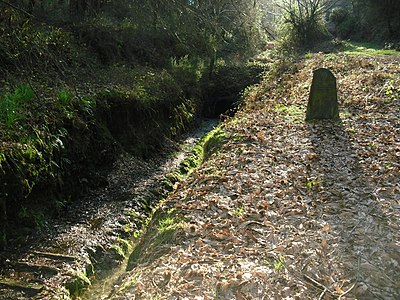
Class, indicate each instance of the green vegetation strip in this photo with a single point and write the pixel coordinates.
(161, 225)
(368, 49)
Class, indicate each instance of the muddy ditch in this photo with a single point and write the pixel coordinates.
(94, 235)
(116, 157)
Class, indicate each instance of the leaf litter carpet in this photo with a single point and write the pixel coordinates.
(288, 209)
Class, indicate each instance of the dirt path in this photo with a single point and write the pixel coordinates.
(286, 209)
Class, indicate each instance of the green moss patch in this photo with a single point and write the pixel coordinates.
(77, 284)
(161, 231)
(164, 224)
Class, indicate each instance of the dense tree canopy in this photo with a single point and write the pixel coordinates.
(368, 19)
(205, 25)
(382, 15)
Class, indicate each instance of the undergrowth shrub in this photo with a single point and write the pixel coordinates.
(13, 104)
(36, 153)
(65, 97)
(345, 23)
(295, 37)
(26, 167)
(25, 46)
(188, 72)
(302, 25)
(116, 40)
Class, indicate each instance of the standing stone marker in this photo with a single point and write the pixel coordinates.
(323, 101)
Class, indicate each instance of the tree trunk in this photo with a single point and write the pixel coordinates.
(389, 10)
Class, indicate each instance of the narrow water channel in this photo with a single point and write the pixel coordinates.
(85, 234)
(104, 282)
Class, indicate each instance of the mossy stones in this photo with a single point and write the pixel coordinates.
(323, 100)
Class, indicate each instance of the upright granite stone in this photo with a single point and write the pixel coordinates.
(323, 101)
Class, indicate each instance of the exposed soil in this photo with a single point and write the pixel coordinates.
(288, 209)
(40, 266)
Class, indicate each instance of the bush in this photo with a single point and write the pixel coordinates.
(116, 41)
(302, 25)
(25, 46)
(344, 24)
(188, 73)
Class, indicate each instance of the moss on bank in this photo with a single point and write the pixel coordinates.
(163, 223)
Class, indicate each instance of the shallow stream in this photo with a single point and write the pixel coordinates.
(106, 281)
(82, 238)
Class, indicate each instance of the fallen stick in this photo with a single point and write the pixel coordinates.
(319, 285)
(348, 291)
(54, 256)
(322, 294)
(29, 288)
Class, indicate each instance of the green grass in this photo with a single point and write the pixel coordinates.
(212, 142)
(293, 113)
(12, 105)
(367, 48)
(277, 263)
(209, 144)
(239, 211)
(65, 97)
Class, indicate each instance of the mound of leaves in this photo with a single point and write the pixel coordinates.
(289, 209)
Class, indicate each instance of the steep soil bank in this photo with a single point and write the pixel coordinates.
(54, 161)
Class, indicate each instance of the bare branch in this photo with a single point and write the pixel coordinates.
(17, 8)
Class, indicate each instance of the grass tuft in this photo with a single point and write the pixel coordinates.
(367, 49)
(12, 105)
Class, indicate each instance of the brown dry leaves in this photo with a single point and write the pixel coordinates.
(289, 210)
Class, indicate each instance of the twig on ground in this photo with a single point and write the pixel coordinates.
(322, 294)
(319, 285)
(357, 277)
(348, 291)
